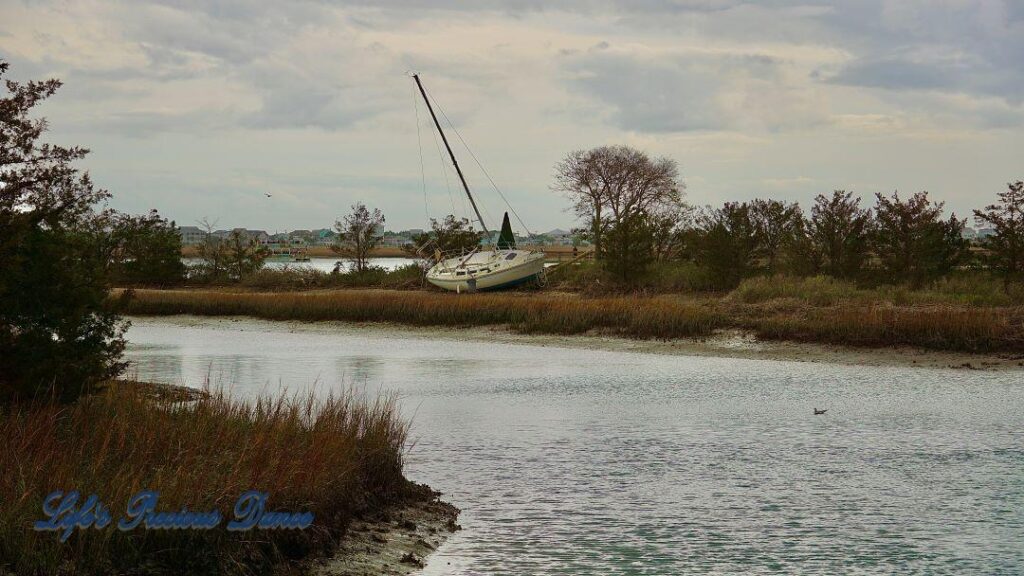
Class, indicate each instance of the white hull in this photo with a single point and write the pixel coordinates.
(488, 270)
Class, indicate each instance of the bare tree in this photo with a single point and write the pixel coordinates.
(358, 233)
(668, 228)
(213, 251)
(611, 183)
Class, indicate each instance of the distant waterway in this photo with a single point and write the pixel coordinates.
(576, 461)
(325, 264)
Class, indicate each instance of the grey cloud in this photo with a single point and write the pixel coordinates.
(895, 73)
(964, 47)
(665, 93)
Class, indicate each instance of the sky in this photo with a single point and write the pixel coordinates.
(201, 108)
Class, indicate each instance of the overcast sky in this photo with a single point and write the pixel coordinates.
(199, 108)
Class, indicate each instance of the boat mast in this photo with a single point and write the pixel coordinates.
(452, 154)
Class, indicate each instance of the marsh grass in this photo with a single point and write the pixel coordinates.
(972, 289)
(337, 457)
(936, 327)
(658, 317)
(816, 310)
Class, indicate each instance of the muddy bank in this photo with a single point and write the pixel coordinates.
(739, 344)
(395, 542)
(721, 344)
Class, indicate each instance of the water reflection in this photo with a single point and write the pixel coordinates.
(570, 461)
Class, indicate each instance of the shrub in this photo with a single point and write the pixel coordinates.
(335, 457)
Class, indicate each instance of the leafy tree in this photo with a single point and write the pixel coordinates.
(912, 241)
(358, 233)
(145, 250)
(777, 225)
(838, 233)
(450, 235)
(611, 183)
(1006, 246)
(628, 249)
(244, 255)
(726, 243)
(58, 332)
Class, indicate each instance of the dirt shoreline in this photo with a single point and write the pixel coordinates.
(394, 543)
(723, 344)
(733, 344)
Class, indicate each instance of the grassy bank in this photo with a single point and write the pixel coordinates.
(797, 312)
(337, 457)
(529, 313)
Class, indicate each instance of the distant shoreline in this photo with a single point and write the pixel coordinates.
(320, 252)
(390, 251)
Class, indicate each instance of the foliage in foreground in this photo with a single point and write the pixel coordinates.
(336, 457)
(56, 324)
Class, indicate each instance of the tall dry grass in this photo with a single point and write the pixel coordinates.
(970, 289)
(657, 317)
(335, 457)
(828, 317)
(965, 329)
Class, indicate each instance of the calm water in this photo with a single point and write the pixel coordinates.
(569, 461)
(326, 264)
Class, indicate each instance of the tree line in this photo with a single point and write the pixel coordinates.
(633, 213)
(61, 249)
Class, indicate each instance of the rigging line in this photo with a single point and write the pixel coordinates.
(419, 143)
(444, 170)
(481, 166)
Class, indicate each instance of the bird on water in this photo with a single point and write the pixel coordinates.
(818, 412)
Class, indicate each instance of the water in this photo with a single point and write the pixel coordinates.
(326, 264)
(569, 461)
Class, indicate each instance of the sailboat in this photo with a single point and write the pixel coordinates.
(492, 267)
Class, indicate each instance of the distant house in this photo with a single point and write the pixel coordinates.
(559, 237)
(191, 235)
(395, 239)
(324, 237)
(259, 236)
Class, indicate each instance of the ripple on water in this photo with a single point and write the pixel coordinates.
(569, 461)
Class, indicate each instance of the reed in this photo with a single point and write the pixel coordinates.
(970, 288)
(658, 317)
(936, 327)
(336, 457)
(830, 315)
